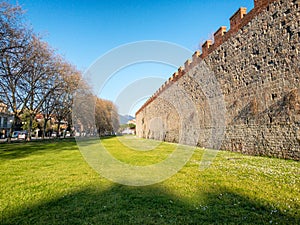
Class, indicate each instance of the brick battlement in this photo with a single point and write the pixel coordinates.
(238, 20)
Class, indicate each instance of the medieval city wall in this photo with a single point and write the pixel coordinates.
(256, 64)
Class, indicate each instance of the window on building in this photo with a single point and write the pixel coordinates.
(5, 122)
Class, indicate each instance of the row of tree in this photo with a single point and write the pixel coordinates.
(35, 80)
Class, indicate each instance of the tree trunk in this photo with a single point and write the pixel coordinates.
(44, 127)
(58, 129)
(12, 128)
(30, 128)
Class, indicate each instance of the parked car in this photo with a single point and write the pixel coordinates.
(23, 135)
(15, 134)
(20, 134)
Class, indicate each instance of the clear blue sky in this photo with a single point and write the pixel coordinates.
(84, 30)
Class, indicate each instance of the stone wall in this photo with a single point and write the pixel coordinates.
(256, 66)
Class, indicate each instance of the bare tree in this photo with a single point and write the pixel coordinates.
(83, 113)
(41, 80)
(15, 39)
(106, 117)
(35, 80)
(64, 99)
(12, 30)
(47, 110)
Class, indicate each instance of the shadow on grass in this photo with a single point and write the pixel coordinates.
(148, 205)
(23, 149)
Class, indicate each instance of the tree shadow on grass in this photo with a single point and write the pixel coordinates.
(23, 149)
(148, 205)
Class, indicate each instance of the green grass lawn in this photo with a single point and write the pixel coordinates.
(50, 183)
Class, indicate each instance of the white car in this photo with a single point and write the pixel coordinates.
(22, 136)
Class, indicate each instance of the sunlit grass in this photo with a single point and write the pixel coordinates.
(132, 150)
(50, 183)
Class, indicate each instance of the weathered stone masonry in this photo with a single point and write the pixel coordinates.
(257, 65)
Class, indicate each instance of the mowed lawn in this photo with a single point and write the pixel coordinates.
(50, 183)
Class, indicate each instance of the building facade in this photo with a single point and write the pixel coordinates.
(6, 119)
